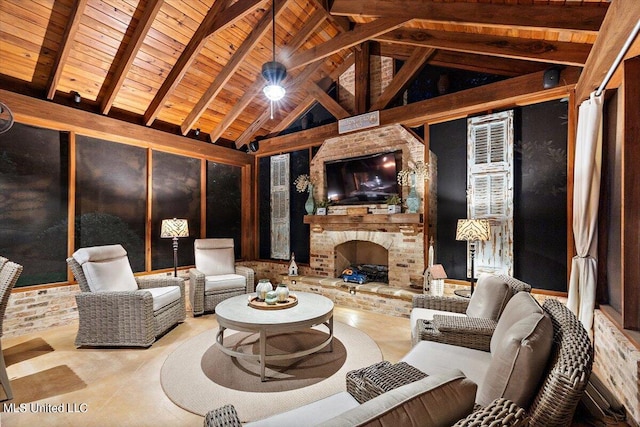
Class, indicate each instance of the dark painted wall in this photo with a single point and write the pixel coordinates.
(540, 194)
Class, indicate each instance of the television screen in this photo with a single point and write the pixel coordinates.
(365, 179)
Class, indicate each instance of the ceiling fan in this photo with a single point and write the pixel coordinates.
(6, 118)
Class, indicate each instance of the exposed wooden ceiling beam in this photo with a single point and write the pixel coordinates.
(346, 40)
(211, 23)
(485, 64)
(293, 115)
(517, 91)
(403, 77)
(362, 78)
(506, 47)
(285, 52)
(342, 22)
(583, 17)
(65, 46)
(335, 109)
(54, 116)
(232, 66)
(622, 16)
(300, 83)
(290, 86)
(150, 11)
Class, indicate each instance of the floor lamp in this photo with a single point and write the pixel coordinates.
(174, 228)
(472, 230)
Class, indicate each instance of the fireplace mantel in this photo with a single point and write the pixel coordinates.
(407, 223)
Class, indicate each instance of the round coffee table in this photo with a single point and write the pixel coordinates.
(311, 310)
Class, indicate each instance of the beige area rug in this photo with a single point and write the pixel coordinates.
(198, 377)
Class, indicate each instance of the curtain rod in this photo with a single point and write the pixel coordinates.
(618, 59)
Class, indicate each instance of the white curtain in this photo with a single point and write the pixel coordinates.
(588, 164)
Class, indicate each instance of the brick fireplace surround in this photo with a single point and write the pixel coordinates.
(404, 244)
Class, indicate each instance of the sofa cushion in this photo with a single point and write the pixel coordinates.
(164, 296)
(106, 268)
(520, 349)
(437, 400)
(318, 411)
(214, 256)
(489, 298)
(433, 357)
(223, 282)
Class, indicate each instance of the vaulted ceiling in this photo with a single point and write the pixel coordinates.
(182, 65)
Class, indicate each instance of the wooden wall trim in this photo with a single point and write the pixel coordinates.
(630, 221)
(46, 114)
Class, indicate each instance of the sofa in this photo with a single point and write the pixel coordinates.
(534, 373)
(469, 322)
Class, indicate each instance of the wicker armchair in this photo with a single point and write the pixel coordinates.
(447, 319)
(9, 273)
(216, 277)
(117, 309)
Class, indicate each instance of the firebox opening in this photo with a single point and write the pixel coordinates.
(369, 257)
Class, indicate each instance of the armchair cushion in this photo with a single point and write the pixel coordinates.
(215, 256)
(520, 349)
(490, 297)
(164, 296)
(224, 281)
(106, 268)
(419, 314)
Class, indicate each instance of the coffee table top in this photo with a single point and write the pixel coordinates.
(235, 311)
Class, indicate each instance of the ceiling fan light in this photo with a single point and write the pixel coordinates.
(274, 92)
(273, 72)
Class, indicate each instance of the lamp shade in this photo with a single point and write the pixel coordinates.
(174, 228)
(472, 230)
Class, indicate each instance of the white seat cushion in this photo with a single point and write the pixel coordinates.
(427, 314)
(434, 357)
(221, 282)
(164, 296)
(313, 413)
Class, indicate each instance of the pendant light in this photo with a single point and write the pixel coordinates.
(273, 71)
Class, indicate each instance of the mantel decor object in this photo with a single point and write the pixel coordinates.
(407, 177)
(303, 183)
(174, 229)
(472, 231)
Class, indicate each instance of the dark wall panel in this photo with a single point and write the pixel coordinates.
(111, 196)
(298, 231)
(540, 234)
(540, 192)
(33, 202)
(448, 141)
(175, 194)
(224, 194)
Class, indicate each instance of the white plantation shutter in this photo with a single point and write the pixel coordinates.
(280, 207)
(490, 189)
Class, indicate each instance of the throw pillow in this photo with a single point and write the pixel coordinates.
(489, 298)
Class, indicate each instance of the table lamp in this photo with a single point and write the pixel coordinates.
(472, 230)
(174, 228)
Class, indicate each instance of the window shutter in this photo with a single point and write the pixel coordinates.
(490, 189)
(280, 248)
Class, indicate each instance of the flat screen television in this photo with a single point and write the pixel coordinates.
(364, 179)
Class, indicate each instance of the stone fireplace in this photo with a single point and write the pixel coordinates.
(368, 234)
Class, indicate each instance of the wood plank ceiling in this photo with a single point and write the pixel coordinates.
(182, 65)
